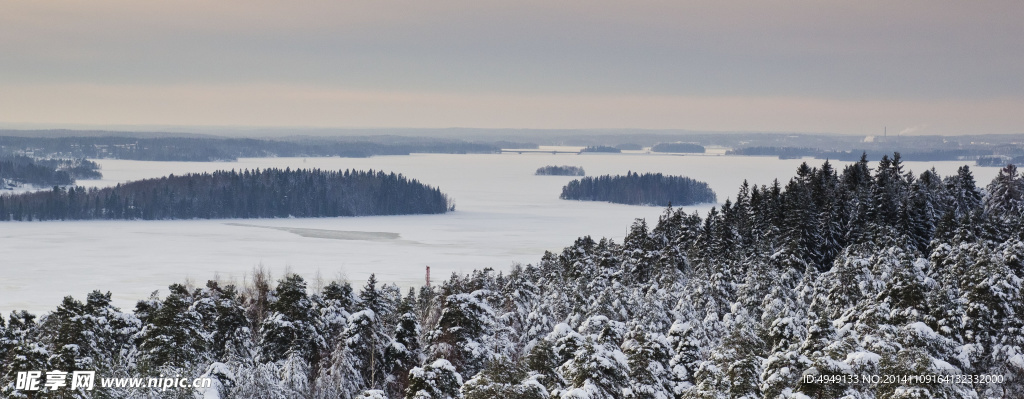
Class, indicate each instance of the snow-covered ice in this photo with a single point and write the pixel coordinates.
(504, 214)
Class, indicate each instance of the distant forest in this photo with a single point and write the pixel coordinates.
(636, 189)
(678, 147)
(551, 170)
(601, 148)
(224, 149)
(983, 156)
(268, 193)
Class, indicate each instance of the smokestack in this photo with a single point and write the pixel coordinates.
(428, 276)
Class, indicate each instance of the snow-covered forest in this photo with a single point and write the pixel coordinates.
(795, 290)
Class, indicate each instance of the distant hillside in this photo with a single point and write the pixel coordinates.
(205, 149)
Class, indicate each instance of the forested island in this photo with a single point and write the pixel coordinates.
(267, 193)
(804, 289)
(678, 147)
(564, 170)
(637, 189)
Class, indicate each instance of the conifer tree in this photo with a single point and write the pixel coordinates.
(648, 355)
(461, 333)
(597, 370)
(404, 351)
(366, 341)
(437, 380)
(290, 326)
(172, 331)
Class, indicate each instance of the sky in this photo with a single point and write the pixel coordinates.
(847, 67)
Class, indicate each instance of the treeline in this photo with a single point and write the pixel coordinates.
(601, 148)
(917, 155)
(267, 193)
(795, 290)
(223, 149)
(552, 170)
(781, 152)
(629, 147)
(999, 160)
(636, 189)
(678, 147)
(18, 170)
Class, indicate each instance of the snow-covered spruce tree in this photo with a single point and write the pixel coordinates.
(339, 377)
(6, 340)
(690, 343)
(334, 305)
(964, 195)
(504, 379)
(1008, 351)
(22, 352)
(801, 222)
(404, 351)
(648, 355)
(376, 299)
(366, 341)
(1005, 193)
(259, 381)
(290, 325)
(172, 340)
(295, 375)
(225, 320)
(462, 334)
(437, 380)
(783, 315)
(598, 370)
(90, 336)
(822, 354)
(523, 309)
(542, 363)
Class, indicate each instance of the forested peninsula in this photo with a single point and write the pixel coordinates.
(637, 189)
(267, 193)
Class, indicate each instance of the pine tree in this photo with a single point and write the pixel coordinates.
(542, 363)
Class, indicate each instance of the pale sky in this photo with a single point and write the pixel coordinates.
(852, 67)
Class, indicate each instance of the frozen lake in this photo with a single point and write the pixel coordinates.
(504, 215)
